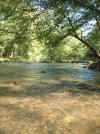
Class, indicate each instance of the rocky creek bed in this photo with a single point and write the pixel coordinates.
(49, 106)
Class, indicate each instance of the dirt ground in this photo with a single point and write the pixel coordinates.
(48, 108)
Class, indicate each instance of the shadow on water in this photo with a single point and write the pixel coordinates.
(57, 77)
(48, 87)
(65, 99)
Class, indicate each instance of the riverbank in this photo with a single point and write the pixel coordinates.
(44, 61)
(94, 66)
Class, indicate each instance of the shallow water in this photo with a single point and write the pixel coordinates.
(59, 101)
(53, 71)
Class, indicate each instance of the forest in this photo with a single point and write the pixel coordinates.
(49, 66)
(50, 31)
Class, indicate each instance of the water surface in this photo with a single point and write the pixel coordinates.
(54, 71)
(65, 99)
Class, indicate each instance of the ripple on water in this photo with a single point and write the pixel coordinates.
(56, 71)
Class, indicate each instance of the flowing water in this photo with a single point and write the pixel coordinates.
(37, 72)
(49, 98)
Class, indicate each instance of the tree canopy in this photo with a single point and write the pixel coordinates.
(50, 23)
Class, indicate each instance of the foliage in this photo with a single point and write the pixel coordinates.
(48, 27)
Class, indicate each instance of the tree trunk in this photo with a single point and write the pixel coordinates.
(0, 54)
(88, 45)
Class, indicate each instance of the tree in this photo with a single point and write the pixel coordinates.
(54, 21)
(17, 18)
(70, 18)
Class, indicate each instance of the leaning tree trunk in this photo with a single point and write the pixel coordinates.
(89, 46)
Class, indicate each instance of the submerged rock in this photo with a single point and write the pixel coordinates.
(15, 82)
(85, 66)
(43, 71)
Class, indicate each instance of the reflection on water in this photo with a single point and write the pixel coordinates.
(54, 71)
